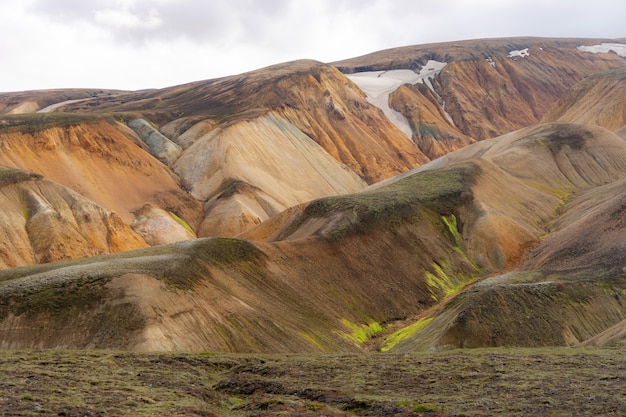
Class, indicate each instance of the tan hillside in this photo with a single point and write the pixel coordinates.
(97, 158)
(340, 269)
(282, 166)
(571, 286)
(598, 100)
(45, 222)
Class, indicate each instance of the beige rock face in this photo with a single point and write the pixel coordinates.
(160, 146)
(158, 227)
(283, 167)
(101, 163)
(45, 222)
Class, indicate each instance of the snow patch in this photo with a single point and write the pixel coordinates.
(55, 106)
(378, 85)
(522, 53)
(618, 48)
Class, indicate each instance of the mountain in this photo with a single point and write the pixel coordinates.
(449, 195)
(339, 270)
(490, 86)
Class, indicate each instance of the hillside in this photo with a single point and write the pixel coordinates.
(288, 210)
(490, 86)
(442, 98)
(342, 269)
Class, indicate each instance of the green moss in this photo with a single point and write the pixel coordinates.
(32, 122)
(182, 223)
(314, 341)
(393, 339)
(10, 176)
(362, 333)
(452, 228)
(54, 298)
(440, 191)
(440, 281)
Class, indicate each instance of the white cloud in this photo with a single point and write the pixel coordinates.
(124, 18)
(134, 44)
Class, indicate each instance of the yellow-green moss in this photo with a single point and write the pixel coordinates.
(395, 338)
(182, 223)
(441, 281)
(362, 333)
(313, 340)
(451, 223)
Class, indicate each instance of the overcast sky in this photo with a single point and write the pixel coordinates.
(136, 44)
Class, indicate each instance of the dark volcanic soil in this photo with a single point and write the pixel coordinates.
(520, 382)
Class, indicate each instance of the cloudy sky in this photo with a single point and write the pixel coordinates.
(135, 44)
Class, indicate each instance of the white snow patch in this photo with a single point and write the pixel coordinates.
(618, 48)
(55, 106)
(522, 53)
(378, 85)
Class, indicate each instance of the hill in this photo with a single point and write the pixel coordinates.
(321, 225)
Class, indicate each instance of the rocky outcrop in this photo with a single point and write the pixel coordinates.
(159, 146)
(159, 227)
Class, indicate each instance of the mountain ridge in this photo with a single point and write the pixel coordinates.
(281, 211)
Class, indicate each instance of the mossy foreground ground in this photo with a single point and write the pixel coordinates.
(561, 382)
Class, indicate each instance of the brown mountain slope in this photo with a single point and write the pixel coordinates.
(489, 89)
(230, 295)
(45, 222)
(598, 100)
(34, 101)
(571, 287)
(99, 159)
(291, 133)
(342, 268)
(313, 96)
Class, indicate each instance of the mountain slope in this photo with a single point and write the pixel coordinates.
(494, 86)
(98, 158)
(341, 269)
(45, 222)
(514, 240)
(598, 100)
(570, 288)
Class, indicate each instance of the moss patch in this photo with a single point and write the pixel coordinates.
(362, 333)
(182, 223)
(441, 191)
(9, 176)
(33, 122)
(404, 333)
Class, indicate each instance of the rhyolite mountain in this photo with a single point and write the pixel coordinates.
(291, 209)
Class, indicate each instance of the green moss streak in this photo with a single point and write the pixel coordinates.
(395, 338)
(182, 223)
(452, 228)
(362, 333)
